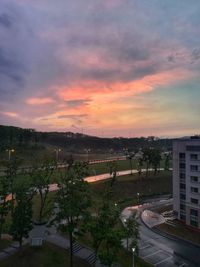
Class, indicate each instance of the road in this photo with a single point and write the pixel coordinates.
(164, 251)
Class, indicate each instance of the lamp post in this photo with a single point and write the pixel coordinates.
(138, 198)
(57, 150)
(133, 250)
(9, 153)
(87, 150)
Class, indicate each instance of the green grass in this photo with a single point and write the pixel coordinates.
(4, 243)
(126, 188)
(46, 256)
(181, 230)
(99, 168)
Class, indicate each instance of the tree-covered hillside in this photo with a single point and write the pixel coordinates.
(75, 142)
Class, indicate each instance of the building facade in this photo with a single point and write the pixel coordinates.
(186, 180)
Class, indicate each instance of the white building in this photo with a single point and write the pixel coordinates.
(186, 180)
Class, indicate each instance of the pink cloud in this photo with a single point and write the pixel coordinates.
(10, 114)
(39, 101)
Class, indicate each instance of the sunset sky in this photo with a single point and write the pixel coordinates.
(101, 67)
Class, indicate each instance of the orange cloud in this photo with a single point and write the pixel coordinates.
(39, 101)
(99, 89)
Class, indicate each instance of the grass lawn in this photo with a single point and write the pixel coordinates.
(99, 168)
(4, 243)
(126, 188)
(46, 256)
(180, 231)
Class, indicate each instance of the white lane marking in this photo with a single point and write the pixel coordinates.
(149, 255)
(144, 247)
(156, 264)
(183, 264)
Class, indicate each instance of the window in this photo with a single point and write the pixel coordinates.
(194, 200)
(194, 179)
(182, 155)
(194, 168)
(194, 190)
(182, 165)
(193, 212)
(182, 196)
(194, 156)
(182, 175)
(182, 207)
(182, 186)
(193, 148)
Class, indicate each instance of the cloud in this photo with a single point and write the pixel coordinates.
(72, 116)
(9, 114)
(39, 101)
(5, 20)
(77, 102)
(91, 57)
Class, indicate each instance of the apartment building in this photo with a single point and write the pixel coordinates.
(186, 180)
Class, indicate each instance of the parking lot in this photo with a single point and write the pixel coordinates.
(158, 257)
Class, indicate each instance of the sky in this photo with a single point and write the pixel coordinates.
(101, 67)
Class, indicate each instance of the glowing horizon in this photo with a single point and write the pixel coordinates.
(107, 68)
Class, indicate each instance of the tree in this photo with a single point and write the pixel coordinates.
(113, 171)
(167, 162)
(155, 158)
(140, 165)
(4, 203)
(132, 232)
(11, 173)
(106, 237)
(147, 158)
(41, 178)
(22, 215)
(73, 200)
(130, 157)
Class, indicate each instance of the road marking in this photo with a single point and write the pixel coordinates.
(183, 264)
(149, 255)
(140, 248)
(170, 257)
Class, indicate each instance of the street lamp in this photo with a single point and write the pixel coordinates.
(138, 198)
(57, 150)
(133, 250)
(9, 152)
(87, 150)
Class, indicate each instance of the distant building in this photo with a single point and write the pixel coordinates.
(186, 180)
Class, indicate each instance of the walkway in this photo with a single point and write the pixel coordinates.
(101, 177)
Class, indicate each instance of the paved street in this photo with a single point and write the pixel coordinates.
(159, 250)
